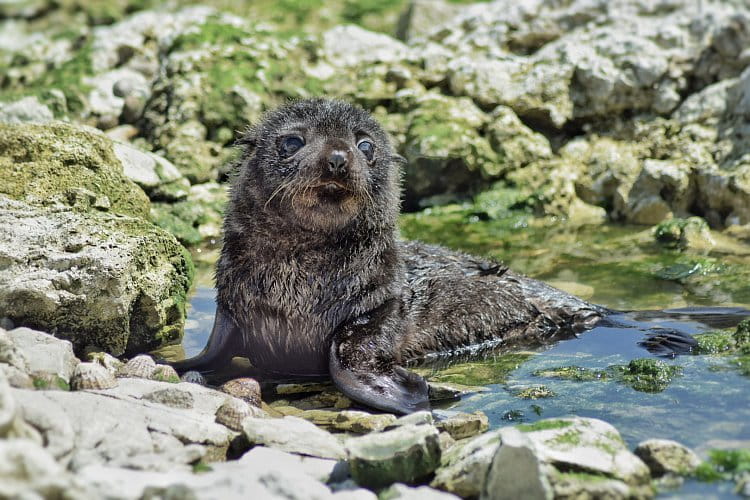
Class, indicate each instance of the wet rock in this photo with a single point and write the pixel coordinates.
(464, 425)
(303, 388)
(659, 180)
(663, 456)
(403, 492)
(593, 449)
(463, 468)
(405, 454)
(293, 435)
(438, 391)
(685, 234)
(25, 110)
(536, 392)
(44, 353)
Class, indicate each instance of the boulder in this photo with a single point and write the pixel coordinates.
(96, 279)
(463, 468)
(44, 353)
(664, 456)
(405, 454)
(293, 435)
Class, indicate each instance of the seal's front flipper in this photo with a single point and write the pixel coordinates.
(222, 346)
(395, 390)
(364, 365)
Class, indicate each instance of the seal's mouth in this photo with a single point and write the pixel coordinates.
(332, 191)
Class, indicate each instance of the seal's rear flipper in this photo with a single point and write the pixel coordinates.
(668, 342)
(396, 390)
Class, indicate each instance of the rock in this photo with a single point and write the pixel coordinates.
(126, 430)
(263, 458)
(84, 277)
(361, 47)
(44, 353)
(424, 16)
(463, 468)
(28, 471)
(417, 418)
(447, 155)
(516, 470)
(109, 90)
(442, 391)
(591, 448)
(685, 234)
(663, 456)
(159, 178)
(11, 355)
(464, 425)
(293, 435)
(358, 422)
(405, 454)
(303, 388)
(403, 492)
(67, 164)
(661, 191)
(196, 219)
(111, 363)
(25, 110)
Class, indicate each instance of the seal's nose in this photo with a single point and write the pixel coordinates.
(337, 162)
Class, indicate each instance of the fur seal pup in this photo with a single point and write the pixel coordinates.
(313, 280)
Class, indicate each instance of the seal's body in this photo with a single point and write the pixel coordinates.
(313, 281)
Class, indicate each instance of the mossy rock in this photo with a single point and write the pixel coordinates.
(62, 163)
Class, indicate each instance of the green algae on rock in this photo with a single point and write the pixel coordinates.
(58, 162)
(646, 374)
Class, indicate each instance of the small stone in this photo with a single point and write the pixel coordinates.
(90, 376)
(405, 454)
(536, 392)
(362, 422)
(193, 377)
(294, 435)
(139, 367)
(245, 388)
(465, 425)
(165, 373)
(416, 418)
(173, 397)
(663, 456)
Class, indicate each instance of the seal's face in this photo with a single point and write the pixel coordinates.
(321, 162)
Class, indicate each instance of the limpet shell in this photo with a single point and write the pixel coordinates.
(139, 367)
(165, 373)
(246, 388)
(91, 376)
(233, 411)
(193, 377)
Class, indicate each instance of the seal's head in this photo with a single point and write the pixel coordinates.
(320, 163)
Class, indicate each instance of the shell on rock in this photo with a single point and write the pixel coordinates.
(91, 376)
(193, 377)
(173, 397)
(233, 411)
(246, 388)
(111, 363)
(139, 367)
(165, 373)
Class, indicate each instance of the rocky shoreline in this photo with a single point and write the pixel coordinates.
(70, 429)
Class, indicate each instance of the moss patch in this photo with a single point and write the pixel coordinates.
(575, 373)
(724, 465)
(543, 425)
(646, 374)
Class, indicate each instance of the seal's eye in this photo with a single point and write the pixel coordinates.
(290, 145)
(367, 148)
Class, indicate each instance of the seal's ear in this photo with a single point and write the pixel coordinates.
(248, 141)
